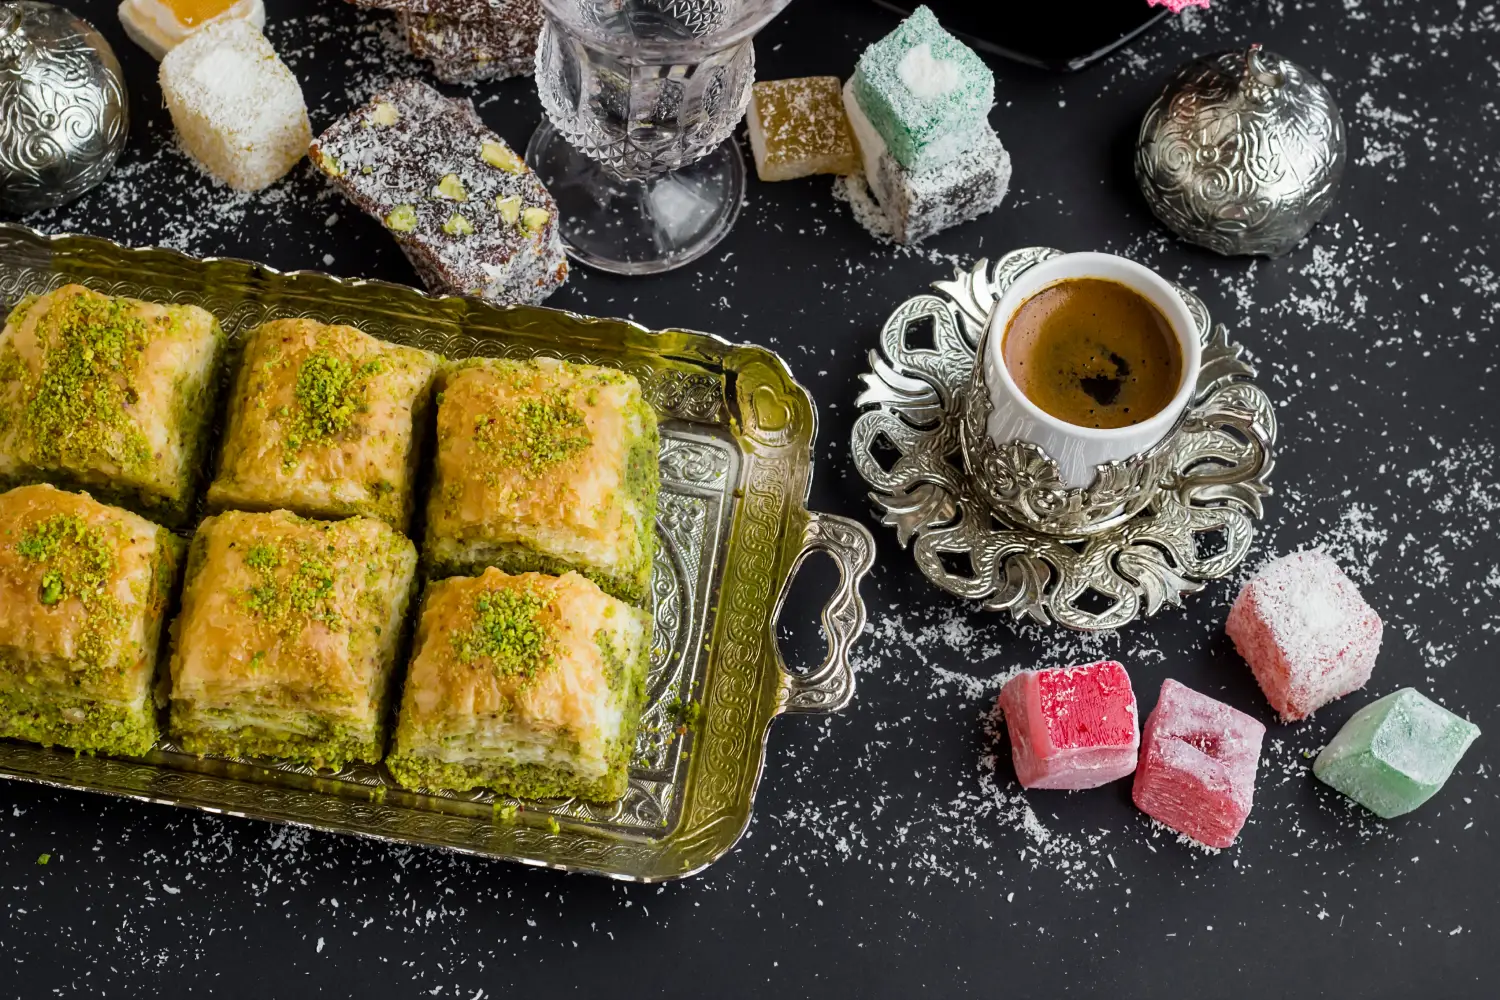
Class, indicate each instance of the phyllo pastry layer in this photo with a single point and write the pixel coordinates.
(108, 393)
(324, 421)
(530, 685)
(287, 636)
(544, 465)
(83, 593)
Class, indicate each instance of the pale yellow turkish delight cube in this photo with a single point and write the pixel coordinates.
(238, 110)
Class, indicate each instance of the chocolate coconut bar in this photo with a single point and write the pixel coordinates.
(484, 46)
(470, 215)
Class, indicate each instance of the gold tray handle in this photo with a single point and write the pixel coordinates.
(829, 687)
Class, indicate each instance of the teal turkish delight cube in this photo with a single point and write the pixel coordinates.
(926, 93)
(1395, 753)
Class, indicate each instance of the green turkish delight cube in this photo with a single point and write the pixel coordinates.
(926, 93)
(1395, 753)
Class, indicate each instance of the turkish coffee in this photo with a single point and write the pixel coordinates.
(1094, 353)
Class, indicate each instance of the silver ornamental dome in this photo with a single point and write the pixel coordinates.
(63, 112)
(1241, 152)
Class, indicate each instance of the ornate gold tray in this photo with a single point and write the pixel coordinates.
(736, 460)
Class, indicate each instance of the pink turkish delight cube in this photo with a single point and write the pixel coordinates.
(1071, 727)
(1305, 631)
(1197, 768)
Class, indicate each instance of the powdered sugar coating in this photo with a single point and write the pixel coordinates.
(416, 160)
(238, 110)
(1395, 753)
(488, 46)
(1071, 727)
(917, 205)
(1306, 632)
(1197, 768)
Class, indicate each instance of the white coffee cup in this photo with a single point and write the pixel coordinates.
(1078, 450)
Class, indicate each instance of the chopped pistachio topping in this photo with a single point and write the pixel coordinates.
(509, 207)
(80, 563)
(501, 157)
(457, 225)
(385, 113)
(293, 588)
(450, 187)
(329, 392)
(535, 434)
(263, 557)
(402, 219)
(508, 632)
(328, 163)
(533, 219)
(77, 408)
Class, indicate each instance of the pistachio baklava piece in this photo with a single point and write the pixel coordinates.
(287, 636)
(530, 685)
(324, 421)
(109, 394)
(548, 466)
(84, 589)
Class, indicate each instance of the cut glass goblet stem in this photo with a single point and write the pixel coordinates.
(642, 98)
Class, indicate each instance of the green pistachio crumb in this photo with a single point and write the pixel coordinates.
(42, 859)
(262, 557)
(329, 392)
(402, 219)
(77, 407)
(685, 714)
(508, 632)
(451, 187)
(289, 593)
(501, 157)
(457, 225)
(533, 219)
(384, 113)
(535, 434)
(328, 163)
(509, 207)
(80, 562)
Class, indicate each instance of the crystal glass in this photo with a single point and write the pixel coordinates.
(642, 97)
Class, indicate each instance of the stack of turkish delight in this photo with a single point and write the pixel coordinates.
(469, 40)
(919, 105)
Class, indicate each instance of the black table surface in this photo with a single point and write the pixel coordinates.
(892, 852)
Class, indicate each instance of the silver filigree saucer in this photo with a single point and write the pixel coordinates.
(1197, 526)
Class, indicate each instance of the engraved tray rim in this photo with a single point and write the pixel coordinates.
(742, 682)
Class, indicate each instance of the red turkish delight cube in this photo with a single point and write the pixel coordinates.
(1071, 727)
(1306, 632)
(1197, 768)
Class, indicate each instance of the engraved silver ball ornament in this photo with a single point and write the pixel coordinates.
(63, 110)
(1242, 152)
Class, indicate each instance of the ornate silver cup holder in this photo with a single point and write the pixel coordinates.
(1078, 561)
